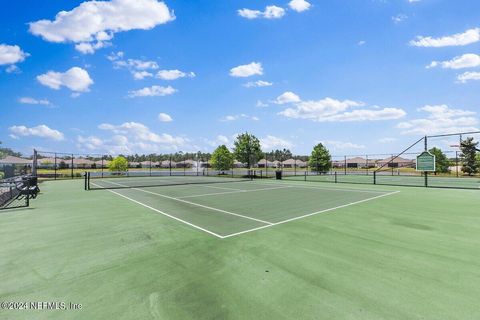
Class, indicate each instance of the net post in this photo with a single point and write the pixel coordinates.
(150, 170)
(35, 162)
(102, 164)
(426, 179)
(305, 175)
(170, 165)
(336, 181)
(374, 177)
(86, 183)
(27, 200)
(71, 169)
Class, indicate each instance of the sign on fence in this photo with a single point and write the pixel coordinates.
(426, 161)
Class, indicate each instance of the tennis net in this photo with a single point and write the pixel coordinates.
(141, 179)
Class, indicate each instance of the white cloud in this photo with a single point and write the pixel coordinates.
(329, 109)
(259, 83)
(399, 18)
(287, 97)
(261, 104)
(468, 76)
(343, 145)
(28, 100)
(91, 143)
(140, 75)
(270, 12)
(93, 23)
(163, 117)
(153, 91)
(75, 79)
(460, 39)
(299, 5)
(247, 70)
(173, 74)
(362, 42)
(41, 131)
(131, 137)
(11, 54)
(413, 1)
(387, 140)
(238, 117)
(468, 60)
(271, 142)
(440, 119)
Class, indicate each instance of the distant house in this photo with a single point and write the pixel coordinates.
(167, 164)
(99, 164)
(292, 163)
(146, 164)
(264, 163)
(186, 164)
(238, 164)
(398, 162)
(15, 160)
(82, 163)
(134, 164)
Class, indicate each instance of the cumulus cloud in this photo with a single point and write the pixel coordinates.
(93, 24)
(134, 137)
(299, 5)
(440, 119)
(343, 145)
(163, 117)
(153, 91)
(140, 75)
(468, 60)
(41, 131)
(460, 39)
(10, 55)
(329, 109)
(173, 74)
(256, 84)
(75, 79)
(272, 142)
(238, 117)
(29, 100)
(261, 104)
(468, 76)
(399, 18)
(387, 140)
(270, 12)
(247, 70)
(287, 97)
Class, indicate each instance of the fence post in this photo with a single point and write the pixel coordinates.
(71, 170)
(55, 167)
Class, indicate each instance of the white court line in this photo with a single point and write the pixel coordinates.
(196, 204)
(311, 214)
(231, 192)
(165, 214)
(322, 188)
(268, 224)
(223, 188)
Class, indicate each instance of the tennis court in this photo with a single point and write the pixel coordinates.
(226, 207)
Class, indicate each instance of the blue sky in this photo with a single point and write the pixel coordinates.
(145, 76)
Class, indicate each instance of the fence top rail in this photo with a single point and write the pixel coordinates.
(453, 134)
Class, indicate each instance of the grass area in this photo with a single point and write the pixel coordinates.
(409, 255)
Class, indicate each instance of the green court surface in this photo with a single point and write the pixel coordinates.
(247, 250)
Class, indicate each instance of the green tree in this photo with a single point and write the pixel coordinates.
(119, 164)
(247, 149)
(441, 161)
(469, 154)
(222, 159)
(320, 159)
